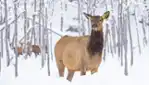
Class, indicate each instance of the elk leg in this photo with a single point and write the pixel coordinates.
(36, 55)
(61, 68)
(70, 75)
(94, 70)
(83, 68)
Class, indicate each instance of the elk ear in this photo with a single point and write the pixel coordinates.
(88, 16)
(106, 15)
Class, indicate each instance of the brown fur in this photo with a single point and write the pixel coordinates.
(81, 53)
(36, 49)
(19, 50)
(95, 44)
(33, 48)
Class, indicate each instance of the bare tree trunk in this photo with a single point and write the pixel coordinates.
(33, 35)
(105, 44)
(120, 8)
(6, 33)
(47, 42)
(48, 64)
(42, 43)
(130, 37)
(25, 27)
(113, 30)
(138, 39)
(0, 62)
(1, 44)
(125, 41)
(62, 18)
(79, 16)
(144, 31)
(51, 53)
(33, 29)
(34, 18)
(51, 41)
(40, 10)
(0, 52)
(88, 11)
(112, 4)
(16, 39)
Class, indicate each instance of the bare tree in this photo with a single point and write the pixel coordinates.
(0, 52)
(62, 17)
(40, 11)
(47, 41)
(120, 8)
(1, 44)
(16, 39)
(51, 53)
(6, 33)
(25, 27)
(42, 43)
(79, 15)
(126, 25)
(34, 18)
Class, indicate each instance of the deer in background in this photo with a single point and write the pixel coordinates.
(33, 48)
(18, 48)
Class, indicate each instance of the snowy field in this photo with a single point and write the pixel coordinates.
(110, 71)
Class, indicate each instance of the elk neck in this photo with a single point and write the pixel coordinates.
(95, 43)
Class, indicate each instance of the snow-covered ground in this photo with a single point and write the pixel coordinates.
(110, 73)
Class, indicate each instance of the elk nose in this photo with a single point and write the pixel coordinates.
(94, 25)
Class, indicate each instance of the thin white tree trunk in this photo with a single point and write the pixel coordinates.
(6, 33)
(16, 39)
(40, 11)
(51, 42)
(34, 18)
(25, 27)
(0, 52)
(1, 44)
(79, 16)
(47, 42)
(138, 38)
(62, 17)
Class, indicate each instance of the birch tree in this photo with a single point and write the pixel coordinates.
(79, 15)
(16, 39)
(47, 41)
(6, 33)
(62, 13)
(1, 44)
(0, 52)
(40, 11)
(41, 32)
(51, 53)
(25, 27)
(34, 18)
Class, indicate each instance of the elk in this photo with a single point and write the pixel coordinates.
(33, 48)
(18, 48)
(82, 53)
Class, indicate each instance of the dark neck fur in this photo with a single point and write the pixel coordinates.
(95, 43)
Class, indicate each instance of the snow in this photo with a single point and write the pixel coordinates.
(110, 73)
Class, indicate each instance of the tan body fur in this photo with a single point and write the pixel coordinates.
(70, 51)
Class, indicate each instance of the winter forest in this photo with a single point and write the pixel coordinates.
(39, 24)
